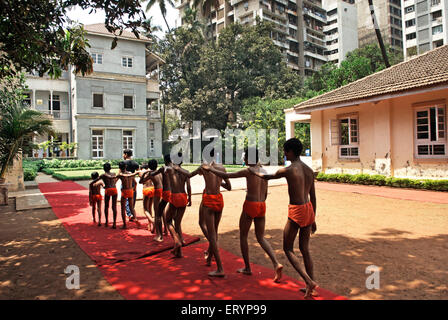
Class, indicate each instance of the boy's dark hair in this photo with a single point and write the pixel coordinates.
(152, 164)
(144, 166)
(293, 144)
(128, 152)
(246, 155)
(94, 175)
(122, 166)
(106, 167)
(167, 158)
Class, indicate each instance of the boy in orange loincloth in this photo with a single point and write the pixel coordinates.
(301, 210)
(178, 202)
(95, 196)
(254, 209)
(158, 188)
(148, 197)
(210, 211)
(110, 180)
(127, 192)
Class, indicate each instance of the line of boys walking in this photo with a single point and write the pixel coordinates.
(164, 190)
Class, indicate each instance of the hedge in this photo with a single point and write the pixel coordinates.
(380, 180)
(78, 164)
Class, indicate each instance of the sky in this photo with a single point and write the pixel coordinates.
(83, 16)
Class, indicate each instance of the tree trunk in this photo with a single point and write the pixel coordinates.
(378, 34)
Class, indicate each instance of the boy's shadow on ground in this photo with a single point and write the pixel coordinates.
(409, 268)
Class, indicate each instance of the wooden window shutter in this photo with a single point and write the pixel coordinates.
(334, 132)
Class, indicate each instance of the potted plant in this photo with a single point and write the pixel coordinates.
(18, 124)
(44, 145)
(64, 146)
(72, 147)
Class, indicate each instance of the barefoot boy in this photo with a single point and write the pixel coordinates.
(211, 210)
(178, 203)
(301, 210)
(254, 209)
(110, 180)
(148, 197)
(95, 196)
(127, 192)
(158, 189)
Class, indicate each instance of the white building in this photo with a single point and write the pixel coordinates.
(341, 30)
(424, 25)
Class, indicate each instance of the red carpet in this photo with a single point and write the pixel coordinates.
(69, 202)
(162, 277)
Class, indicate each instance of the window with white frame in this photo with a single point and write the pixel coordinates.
(128, 140)
(344, 132)
(430, 132)
(127, 62)
(128, 101)
(97, 143)
(97, 58)
(98, 100)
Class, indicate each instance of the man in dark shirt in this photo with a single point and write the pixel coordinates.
(131, 166)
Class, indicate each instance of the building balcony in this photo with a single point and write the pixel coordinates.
(152, 85)
(153, 114)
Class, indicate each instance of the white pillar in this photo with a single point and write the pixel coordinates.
(51, 101)
(33, 100)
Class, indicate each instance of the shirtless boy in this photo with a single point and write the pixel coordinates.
(178, 203)
(210, 211)
(254, 209)
(95, 196)
(166, 195)
(148, 197)
(110, 180)
(158, 188)
(127, 192)
(301, 210)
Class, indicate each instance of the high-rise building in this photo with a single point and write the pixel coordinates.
(300, 27)
(388, 18)
(425, 25)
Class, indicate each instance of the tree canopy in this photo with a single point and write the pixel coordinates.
(36, 35)
(207, 80)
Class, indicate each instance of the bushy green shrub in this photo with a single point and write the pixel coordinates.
(379, 180)
(30, 169)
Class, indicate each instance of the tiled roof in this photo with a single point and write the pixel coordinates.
(426, 70)
(101, 29)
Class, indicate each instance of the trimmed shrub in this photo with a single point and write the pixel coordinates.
(379, 180)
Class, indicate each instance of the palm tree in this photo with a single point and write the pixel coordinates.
(19, 123)
(162, 6)
(206, 7)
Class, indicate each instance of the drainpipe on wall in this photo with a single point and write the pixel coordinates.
(70, 134)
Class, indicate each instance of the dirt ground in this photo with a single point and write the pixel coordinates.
(407, 240)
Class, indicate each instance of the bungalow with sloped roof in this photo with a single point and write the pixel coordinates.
(392, 122)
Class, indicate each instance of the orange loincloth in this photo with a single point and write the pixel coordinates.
(97, 197)
(302, 214)
(148, 192)
(111, 192)
(254, 209)
(166, 195)
(158, 193)
(179, 200)
(127, 193)
(213, 201)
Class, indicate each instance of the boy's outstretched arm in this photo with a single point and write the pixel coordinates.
(158, 171)
(226, 175)
(189, 191)
(188, 173)
(279, 174)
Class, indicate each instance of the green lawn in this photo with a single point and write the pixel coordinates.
(85, 174)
